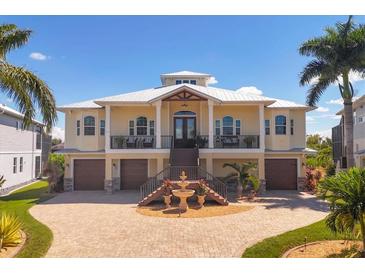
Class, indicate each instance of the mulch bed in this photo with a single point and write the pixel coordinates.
(209, 210)
(324, 249)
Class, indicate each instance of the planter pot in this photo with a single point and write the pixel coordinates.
(239, 190)
(201, 200)
(252, 195)
(167, 200)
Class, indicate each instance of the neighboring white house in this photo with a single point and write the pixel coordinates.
(339, 140)
(20, 149)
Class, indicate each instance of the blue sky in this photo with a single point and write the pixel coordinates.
(85, 57)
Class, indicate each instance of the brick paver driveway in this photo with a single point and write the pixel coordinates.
(95, 224)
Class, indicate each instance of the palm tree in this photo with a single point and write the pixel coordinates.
(338, 52)
(240, 174)
(21, 85)
(346, 194)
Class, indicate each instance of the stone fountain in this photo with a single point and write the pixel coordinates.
(183, 194)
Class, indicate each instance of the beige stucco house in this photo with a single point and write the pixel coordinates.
(118, 142)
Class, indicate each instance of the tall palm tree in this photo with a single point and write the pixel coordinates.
(346, 194)
(338, 52)
(21, 85)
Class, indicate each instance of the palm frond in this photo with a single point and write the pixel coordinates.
(235, 166)
(316, 90)
(312, 70)
(11, 38)
(230, 176)
(27, 89)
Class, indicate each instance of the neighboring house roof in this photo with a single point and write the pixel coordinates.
(360, 152)
(14, 113)
(58, 147)
(355, 104)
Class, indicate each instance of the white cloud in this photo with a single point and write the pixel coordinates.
(38, 56)
(325, 133)
(322, 109)
(310, 118)
(59, 133)
(250, 90)
(339, 101)
(9, 100)
(212, 81)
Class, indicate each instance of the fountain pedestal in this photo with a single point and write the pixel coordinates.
(183, 195)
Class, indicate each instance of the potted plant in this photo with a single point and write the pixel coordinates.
(240, 175)
(255, 184)
(201, 191)
(167, 192)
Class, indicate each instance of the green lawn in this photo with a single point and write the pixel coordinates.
(39, 236)
(275, 247)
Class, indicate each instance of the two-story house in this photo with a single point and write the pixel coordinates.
(22, 150)
(121, 141)
(339, 138)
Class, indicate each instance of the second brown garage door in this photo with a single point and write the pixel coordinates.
(281, 174)
(133, 173)
(89, 174)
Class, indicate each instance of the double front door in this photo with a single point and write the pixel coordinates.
(184, 132)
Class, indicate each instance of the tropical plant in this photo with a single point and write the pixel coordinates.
(339, 52)
(55, 170)
(20, 84)
(9, 231)
(240, 174)
(2, 181)
(346, 194)
(201, 189)
(312, 178)
(255, 183)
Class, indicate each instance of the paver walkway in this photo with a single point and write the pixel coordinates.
(95, 224)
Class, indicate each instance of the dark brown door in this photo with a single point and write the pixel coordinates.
(89, 174)
(133, 173)
(184, 132)
(281, 174)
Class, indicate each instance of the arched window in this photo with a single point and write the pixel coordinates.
(141, 124)
(89, 125)
(280, 125)
(227, 125)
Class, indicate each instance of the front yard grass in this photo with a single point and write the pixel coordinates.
(39, 236)
(275, 247)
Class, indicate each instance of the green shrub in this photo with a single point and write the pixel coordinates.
(55, 170)
(9, 231)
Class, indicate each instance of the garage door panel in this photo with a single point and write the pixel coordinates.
(89, 174)
(133, 173)
(281, 174)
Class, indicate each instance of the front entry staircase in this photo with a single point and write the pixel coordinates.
(153, 189)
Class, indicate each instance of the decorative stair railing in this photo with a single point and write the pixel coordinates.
(173, 173)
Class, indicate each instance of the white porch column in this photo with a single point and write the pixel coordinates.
(210, 123)
(262, 126)
(107, 128)
(209, 164)
(158, 124)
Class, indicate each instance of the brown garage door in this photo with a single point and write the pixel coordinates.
(89, 174)
(133, 173)
(281, 174)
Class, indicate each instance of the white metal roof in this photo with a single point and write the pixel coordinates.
(12, 112)
(83, 104)
(186, 73)
(279, 103)
(151, 95)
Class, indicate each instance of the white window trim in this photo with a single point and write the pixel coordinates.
(135, 126)
(182, 81)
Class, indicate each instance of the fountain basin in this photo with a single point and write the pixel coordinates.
(183, 184)
(183, 194)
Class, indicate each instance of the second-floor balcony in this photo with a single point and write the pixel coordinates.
(201, 141)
